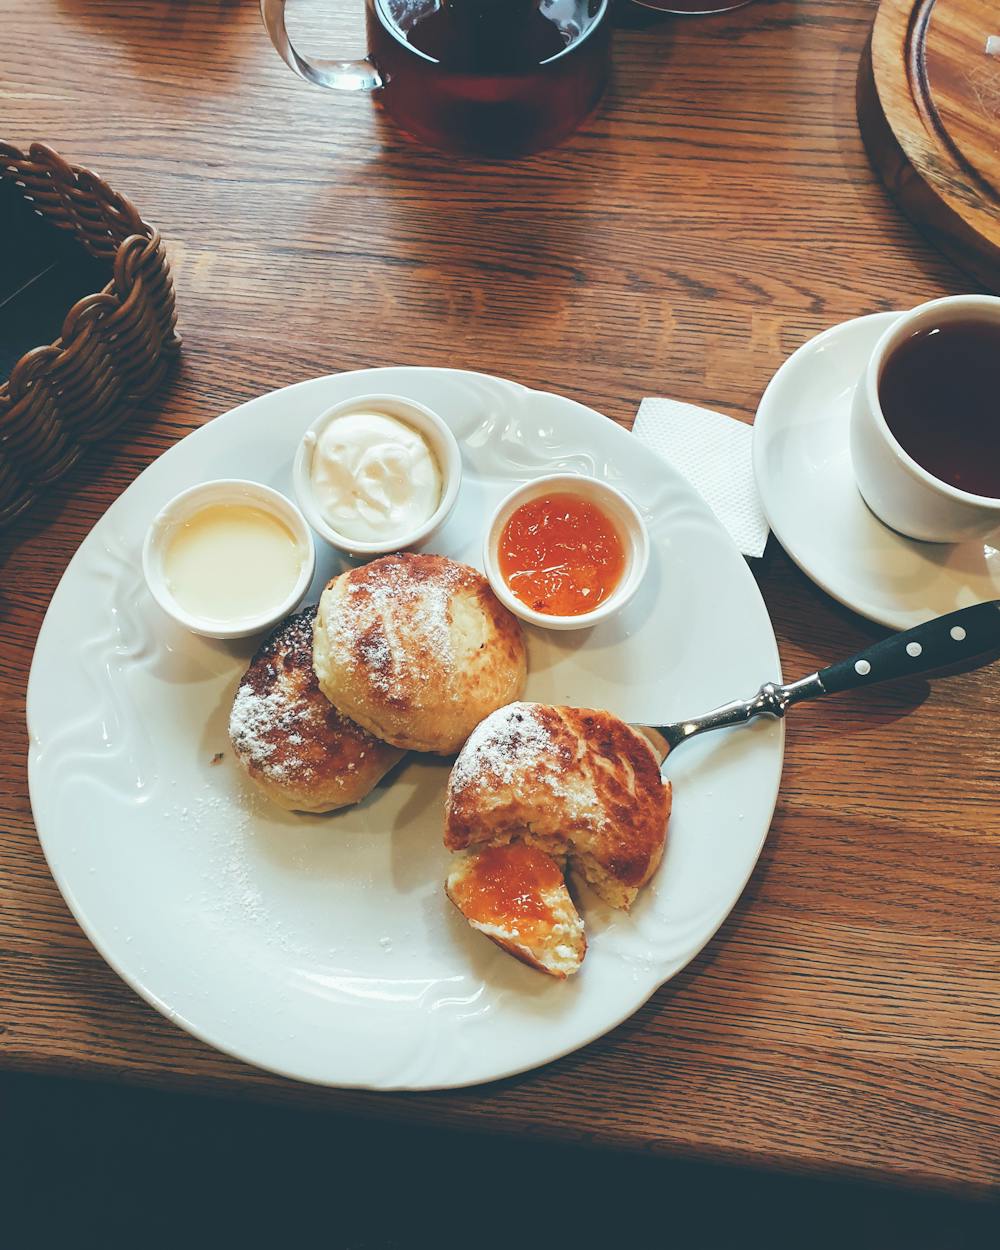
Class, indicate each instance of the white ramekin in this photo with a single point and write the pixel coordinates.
(617, 507)
(221, 491)
(440, 439)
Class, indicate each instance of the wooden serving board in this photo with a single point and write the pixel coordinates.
(929, 110)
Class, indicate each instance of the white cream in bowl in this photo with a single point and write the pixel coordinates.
(377, 474)
(374, 477)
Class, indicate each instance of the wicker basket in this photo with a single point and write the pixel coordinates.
(115, 346)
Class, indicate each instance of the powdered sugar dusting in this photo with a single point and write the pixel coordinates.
(273, 711)
(366, 630)
(373, 651)
(226, 827)
(511, 741)
(260, 721)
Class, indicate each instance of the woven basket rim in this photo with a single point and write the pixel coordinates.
(115, 345)
(42, 154)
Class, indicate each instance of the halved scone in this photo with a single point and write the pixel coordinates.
(517, 897)
(574, 782)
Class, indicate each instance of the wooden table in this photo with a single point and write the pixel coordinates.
(715, 213)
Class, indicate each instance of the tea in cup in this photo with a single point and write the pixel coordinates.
(925, 422)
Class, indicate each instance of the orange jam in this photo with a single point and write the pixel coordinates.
(508, 883)
(561, 555)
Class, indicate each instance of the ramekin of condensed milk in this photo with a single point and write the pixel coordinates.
(229, 558)
(376, 474)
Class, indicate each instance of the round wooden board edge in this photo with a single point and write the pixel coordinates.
(915, 178)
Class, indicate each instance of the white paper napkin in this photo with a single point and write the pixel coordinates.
(714, 453)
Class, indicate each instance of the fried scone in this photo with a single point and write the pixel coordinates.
(417, 649)
(302, 752)
(516, 895)
(572, 781)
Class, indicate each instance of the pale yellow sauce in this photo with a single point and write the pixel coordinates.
(231, 562)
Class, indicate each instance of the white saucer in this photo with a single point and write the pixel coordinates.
(802, 463)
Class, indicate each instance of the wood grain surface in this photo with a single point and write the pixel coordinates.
(929, 111)
(716, 212)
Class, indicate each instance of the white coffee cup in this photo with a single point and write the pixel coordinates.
(901, 493)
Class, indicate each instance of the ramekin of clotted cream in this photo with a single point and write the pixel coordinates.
(376, 474)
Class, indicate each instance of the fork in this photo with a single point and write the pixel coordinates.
(968, 634)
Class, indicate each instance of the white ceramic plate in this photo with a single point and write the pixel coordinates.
(322, 947)
(802, 463)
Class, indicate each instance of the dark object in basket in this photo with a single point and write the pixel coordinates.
(64, 233)
(43, 272)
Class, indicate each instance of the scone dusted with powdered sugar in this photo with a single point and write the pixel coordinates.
(577, 783)
(516, 896)
(417, 649)
(294, 744)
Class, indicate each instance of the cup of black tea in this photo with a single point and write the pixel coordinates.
(925, 422)
(496, 77)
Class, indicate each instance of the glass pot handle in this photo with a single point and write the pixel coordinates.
(338, 75)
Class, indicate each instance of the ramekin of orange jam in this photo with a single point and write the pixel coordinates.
(565, 552)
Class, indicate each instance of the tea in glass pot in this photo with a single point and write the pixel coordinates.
(488, 76)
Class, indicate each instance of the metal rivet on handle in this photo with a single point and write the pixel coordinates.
(862, 668)
(913, 649)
